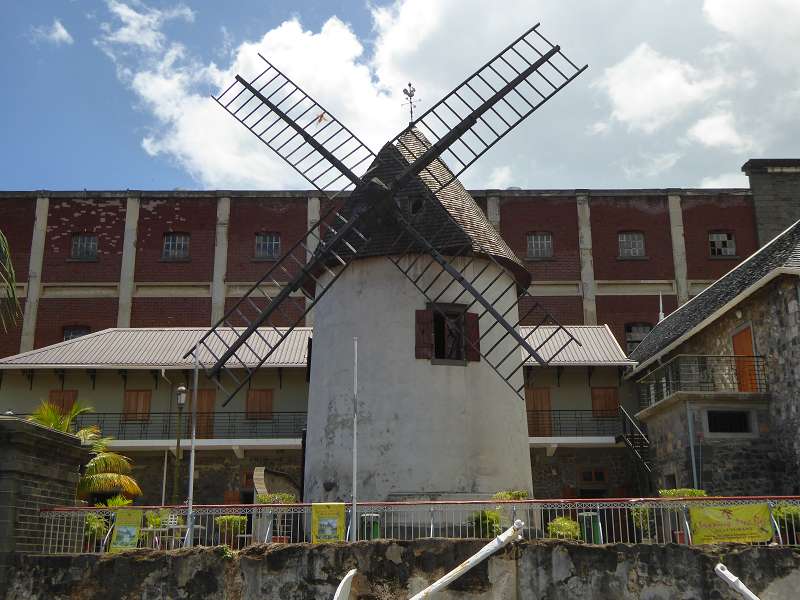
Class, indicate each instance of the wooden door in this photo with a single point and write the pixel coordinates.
(540, 415)
(605, 402)
(205, 413)
(745, 365)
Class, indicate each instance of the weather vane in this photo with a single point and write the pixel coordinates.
(409, 93)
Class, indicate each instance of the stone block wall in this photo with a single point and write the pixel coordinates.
(559, 475)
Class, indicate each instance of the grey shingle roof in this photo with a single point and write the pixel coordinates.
(598, 346)
(782, 251)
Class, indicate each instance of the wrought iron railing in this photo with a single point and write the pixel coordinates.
(554, 423)
(703, 374)
(218, 425)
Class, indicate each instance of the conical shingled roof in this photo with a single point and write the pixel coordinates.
(449, 219)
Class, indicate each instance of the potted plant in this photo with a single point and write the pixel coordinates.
(94, 531)
(787, 516)
(282, 522)
(564, 528)
(486, 523)
(230, 527)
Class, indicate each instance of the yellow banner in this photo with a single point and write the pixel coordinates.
(328, 522)
(127, 524)
(746, 523)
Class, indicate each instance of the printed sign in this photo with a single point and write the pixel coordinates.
(328, 522)
(127, 524)
(745, 524)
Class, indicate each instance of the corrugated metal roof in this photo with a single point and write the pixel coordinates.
(157, 348)
(598, 346)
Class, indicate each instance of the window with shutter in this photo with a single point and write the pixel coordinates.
(605, 402)
(63, 399)
(137, 405)
(473, 337)
(259, 404)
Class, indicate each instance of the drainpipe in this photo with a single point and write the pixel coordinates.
(690, 422)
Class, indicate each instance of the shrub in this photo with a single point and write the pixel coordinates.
(511, 495)
(681, 493)
(96, 527)
(235, 524)
(276, 498)
(641, 517)
(786, 513)
(564, 528)
(486, 522)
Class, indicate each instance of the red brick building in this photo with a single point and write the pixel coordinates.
(89, 260)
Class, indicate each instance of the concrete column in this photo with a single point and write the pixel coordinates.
(218, 288)
(493, 211)
(678, 248)
(128, 270)
(34, 274)
(312, 220)
(588, 286)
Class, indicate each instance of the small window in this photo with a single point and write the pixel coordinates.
(635, 333)
(63, 399)
(631, 244)
(137, 405)
(447, 334)
(75, 331)
(176, 246)
(721, 243)
(268, 245)
(259, 404)
(84, 246)
(729, 421)
(540, 244)
(591, 475)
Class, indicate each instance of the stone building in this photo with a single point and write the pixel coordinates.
(718, 380)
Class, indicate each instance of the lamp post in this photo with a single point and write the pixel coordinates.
(180, 400)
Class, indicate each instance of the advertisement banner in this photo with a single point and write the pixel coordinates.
(745, 524)
(127, 524)
(328, 522)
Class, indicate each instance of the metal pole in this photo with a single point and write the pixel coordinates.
(177, 466)
(164, 480)
(690, 423)
(189, 513)
(353, 513)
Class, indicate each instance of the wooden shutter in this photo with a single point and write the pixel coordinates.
(745, 367)
(259, 404)
(540, 417)
(423, 334)
(137, 405)
(205, 413)
(605, 402)
(63, 399)
(473, 337)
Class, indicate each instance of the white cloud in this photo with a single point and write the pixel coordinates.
(648, 90)
(598, 128)
(55, 34)
(651, 165)
(719, 131)
(726, 180)
(500, 178)
(140, 28)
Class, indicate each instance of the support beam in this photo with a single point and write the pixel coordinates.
(218, 290)
(128, 270)
(34, 290)
(678, 247)
(311, 221)
(588, 285)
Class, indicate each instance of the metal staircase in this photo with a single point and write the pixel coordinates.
(635, 439)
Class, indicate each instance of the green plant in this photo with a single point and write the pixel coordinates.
(225, 552)
(107, 474)
(54, 417)
(564, 528)
(511, 495)
(9, 303)
(230, 526)
(276, 498)
(96, 527)
(640, 515)
(486, 523)
(681, 493)
(786, 513)
(115, 502)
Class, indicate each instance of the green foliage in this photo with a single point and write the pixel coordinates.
(511, 495)
(96, 526)
(276, 498)
(786, 513)
(52, 416)
(115, 502)
(486, 523)
(107, 473)
(564, 528)
(9, 303)
(682, 493)
(641, 517)
(231, 525)
(225, 552)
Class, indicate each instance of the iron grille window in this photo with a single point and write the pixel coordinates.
(268, 245)
(176, 246)
(729, 421)
(635, 333)
(631, 244)
(84, 246)
(75, 331)
(540, 244)
(721, 243)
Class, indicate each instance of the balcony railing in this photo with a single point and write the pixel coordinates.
(218, 425)
(703, 374)
(555, 423)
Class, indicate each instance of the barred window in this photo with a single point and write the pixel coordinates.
(631, 244)
(75, 331)
(635, 333)
(84, 246)
(176, 246)
(721, 243)
(540, 244)
(268, 245)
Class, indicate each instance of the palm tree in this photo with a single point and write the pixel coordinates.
(51, 415)
(107, 474)
(9, 303)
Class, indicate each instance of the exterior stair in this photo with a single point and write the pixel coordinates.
(635, 439)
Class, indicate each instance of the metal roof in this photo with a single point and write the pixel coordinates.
(598, 346)
(156, 348)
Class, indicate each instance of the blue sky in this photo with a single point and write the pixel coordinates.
(108, 94)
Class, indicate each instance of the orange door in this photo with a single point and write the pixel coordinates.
(605, 402)
(205, 413)
(537, 403)
(745, 364)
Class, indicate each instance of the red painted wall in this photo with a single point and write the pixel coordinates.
(171, 312)
(616, 311)
(286, 315)
(567, 310)
(16, 222)
(56, 313)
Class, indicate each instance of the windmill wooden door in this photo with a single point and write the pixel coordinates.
(745, 362)
(205, 413)
(540, 414)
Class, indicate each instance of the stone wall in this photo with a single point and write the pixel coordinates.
(559, 475)
(396, 570)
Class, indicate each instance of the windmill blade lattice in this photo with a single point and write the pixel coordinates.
(485, 107)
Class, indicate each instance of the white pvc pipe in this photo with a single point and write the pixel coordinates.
(734, 582)
(189, 539)
(353, 513)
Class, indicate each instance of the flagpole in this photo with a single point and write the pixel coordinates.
(353, 513)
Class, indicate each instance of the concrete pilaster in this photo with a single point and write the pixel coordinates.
(220, 260)
(312, 220)
(493, 211)
(678, 248)
(34, 290)
(128, 269)
(588, 285)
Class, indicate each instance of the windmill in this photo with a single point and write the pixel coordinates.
(435, 296)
